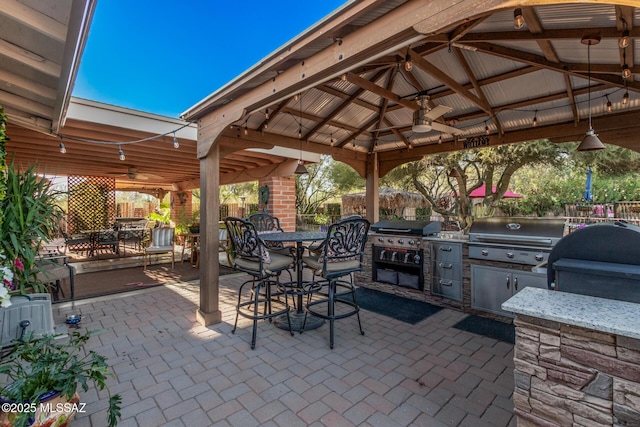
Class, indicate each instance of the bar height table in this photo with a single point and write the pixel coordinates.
(297, 318)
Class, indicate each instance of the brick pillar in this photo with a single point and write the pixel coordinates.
(181, 207)
(282, 200)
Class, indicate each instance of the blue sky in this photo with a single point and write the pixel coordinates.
(164, 56)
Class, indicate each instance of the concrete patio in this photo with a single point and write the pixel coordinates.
(171, 371)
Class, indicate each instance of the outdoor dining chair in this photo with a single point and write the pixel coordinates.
(161, 243)
(265, 223)
(341, 255)
(256, 298)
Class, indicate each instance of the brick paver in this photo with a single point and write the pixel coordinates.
(172, 371)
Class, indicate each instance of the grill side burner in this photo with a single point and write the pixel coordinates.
(601, 260)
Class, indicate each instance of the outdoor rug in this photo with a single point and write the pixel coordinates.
(89, 285)
(402, 309)
(488, 327)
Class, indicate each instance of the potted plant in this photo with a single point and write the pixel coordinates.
(39, 381)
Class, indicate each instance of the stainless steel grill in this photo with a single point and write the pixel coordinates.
(514, 240)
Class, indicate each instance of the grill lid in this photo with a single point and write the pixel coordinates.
(524, 231)
(414, 228)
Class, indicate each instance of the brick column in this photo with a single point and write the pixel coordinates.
(282, 200)
(181, 207)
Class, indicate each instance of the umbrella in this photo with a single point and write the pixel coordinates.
(588, 195)
(481, 191)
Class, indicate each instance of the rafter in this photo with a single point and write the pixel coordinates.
(572, 99)
(535, 27)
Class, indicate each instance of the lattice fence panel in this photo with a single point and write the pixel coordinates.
(92, 203)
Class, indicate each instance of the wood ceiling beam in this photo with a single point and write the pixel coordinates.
(535, 27)
(380, 91)
(356, 134)
(472, 78)
(21, 83)
(340, 108)
(562, 67)
(264, 125)
(549, 35)
(464, 28)
(316, 119)
(489, 80)
(572, 98)
(383, 107)
(23, 104)
(33, 19)
(443, 77)
(29, 59)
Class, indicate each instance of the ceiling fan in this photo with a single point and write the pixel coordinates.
(424, 118)
(134, 174)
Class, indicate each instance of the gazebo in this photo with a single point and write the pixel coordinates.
(398, 203)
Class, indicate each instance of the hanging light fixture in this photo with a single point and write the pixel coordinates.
(176, 144)
(408, 65)
(121, 153)
(300, 169)
(518, 19)
(62, 147)
(590, 142)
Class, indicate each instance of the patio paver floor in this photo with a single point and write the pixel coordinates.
(172, 371)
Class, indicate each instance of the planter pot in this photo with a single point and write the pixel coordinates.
(53, 410)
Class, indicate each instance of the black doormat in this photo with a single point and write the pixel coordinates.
(488, 327)
(402, 309)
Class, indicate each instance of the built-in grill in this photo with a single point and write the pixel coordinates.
(514, 240)
(601, 260)
(398, 256)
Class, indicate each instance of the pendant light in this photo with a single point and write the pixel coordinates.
(300, 169)
(590, 142)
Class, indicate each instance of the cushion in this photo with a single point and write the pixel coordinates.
(162, 237)
(277, 263)
(316, 263)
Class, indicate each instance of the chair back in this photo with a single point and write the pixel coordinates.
(265, 223)
(345, 243)
(162, 237)
(245, 243)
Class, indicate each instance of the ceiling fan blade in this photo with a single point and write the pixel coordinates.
(438, 111)
(446, 128)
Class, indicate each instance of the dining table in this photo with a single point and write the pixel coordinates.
(299, 238)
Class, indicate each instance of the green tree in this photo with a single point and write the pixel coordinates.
(447, 180)
(324, 182)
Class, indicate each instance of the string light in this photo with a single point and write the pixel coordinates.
(408, 65)
(518, 19)
(295, 97)
(625, 97)
(266, 114)
(266, 124)
(486, 128)
(176, 144)
(626, 72)
(246, 130)
(534, 123)
(623, 42)
(121, 153)
(609, 106)
(62, 147)
(343, 77)
(440, 139)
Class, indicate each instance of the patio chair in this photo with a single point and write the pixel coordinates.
(76, 243)
(108, 240)
(256, 299)
(161, 243)
(265, 223)
(341, 256)
(53, 268)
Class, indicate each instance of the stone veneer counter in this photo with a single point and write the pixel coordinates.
(576, 360)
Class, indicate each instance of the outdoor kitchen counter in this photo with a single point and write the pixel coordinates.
(600, 314)
(576, 359)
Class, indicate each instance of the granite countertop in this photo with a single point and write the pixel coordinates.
(600, 314)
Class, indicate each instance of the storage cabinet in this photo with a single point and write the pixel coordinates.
(447, 270)
(491, 286)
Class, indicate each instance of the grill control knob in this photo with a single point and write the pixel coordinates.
(510, 255)
(539, 257)
(412, 242)
(416, 259)
(390, 240)
(484, 252)
(401, 241)
(380, 239)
